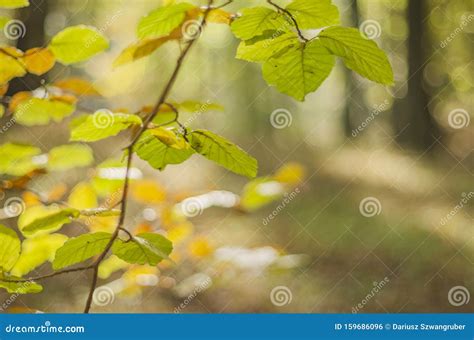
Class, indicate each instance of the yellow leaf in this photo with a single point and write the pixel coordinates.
(101, 223)
(77, 86)
(12, 51)
(110, 266)
(18, 98)
(11, 67)
(139, 50)
(200, 247)
(147, 191)
(83, 197)
(216, 16)
(180, 232)
(38, 60)
(37, 250)
(291, 173)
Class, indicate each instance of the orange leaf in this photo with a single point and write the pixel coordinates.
(77, 86)
(38, 60)
(3, 89)
(17, 98)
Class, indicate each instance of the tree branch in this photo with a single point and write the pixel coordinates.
(42, 277)
(147, 121)
(292, 18)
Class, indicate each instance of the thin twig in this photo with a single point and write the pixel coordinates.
(147, 121)
(47, 276)
(292, 18)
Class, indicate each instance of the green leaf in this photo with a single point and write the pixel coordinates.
(69, 156)
(25, 287)
(10, 69)
(223, 152)
(101, 124)
(36, 251)
(264, 47)
(359, 53)
(300, 70)
(162, 21)
(39, 111)
(255, 21)
(77, 43)
(50, 223)
(160, 147)
(145, 248)
(314, 14)
(10, 246)
(81, 248)
(17, 159)
(14, 3)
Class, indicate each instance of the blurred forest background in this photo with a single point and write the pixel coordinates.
(408, 148)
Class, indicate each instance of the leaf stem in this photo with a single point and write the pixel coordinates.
(292, 18)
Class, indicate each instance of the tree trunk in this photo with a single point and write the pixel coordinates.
(413, 123)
